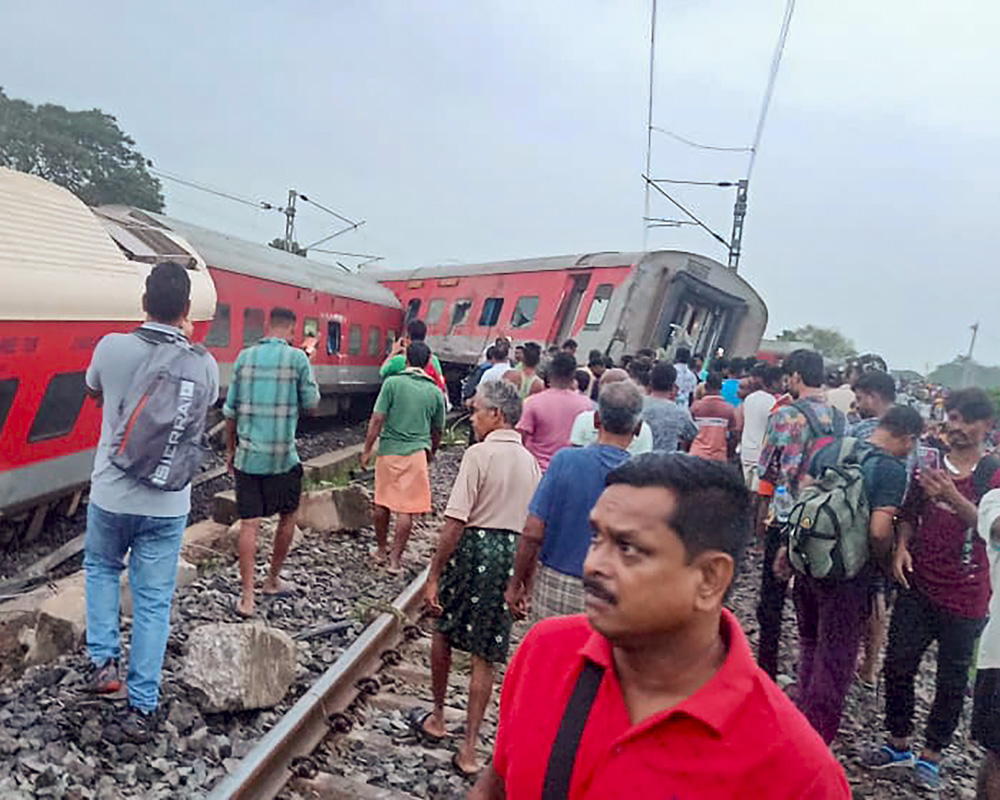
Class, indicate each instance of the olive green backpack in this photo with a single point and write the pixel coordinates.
(828, 525)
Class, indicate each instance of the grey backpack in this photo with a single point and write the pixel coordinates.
(159, 438)
(828, 525)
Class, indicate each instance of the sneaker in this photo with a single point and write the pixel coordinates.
(138, 726)
(927, 775)
(887, 757)
(104, 679)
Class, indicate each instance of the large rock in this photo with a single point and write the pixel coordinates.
(209, 540)
(61, 622)
(341, 509)
(186, 574)
(233, 667)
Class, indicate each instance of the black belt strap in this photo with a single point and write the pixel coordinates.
(559, 771)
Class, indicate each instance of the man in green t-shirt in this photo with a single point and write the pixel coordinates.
(416, 331)
(407, 423)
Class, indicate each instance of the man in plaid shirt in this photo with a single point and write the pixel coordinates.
(271, 381)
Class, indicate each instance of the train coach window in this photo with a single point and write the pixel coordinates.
(434, 311)
(8, 389)
(460, 311)
(310, 327)
(218, 335)
(491, 312)
(412, 310)
(525, 312)
(253, 325)
(60, 407)
(599, 306)
(374, 340)
(332, 338)
(354, 340)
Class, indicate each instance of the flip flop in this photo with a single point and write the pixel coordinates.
(285, 591)
(235, 608)
(469, 776)
(416, 719)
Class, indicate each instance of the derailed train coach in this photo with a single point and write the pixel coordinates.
(611, 301)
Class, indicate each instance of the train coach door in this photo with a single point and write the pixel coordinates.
(575, 289)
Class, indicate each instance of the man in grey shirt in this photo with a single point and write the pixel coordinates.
(124, 515)
(668, 421)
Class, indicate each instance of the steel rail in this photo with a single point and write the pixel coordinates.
(263, 772)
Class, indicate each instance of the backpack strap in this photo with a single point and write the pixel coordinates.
(559, 771)
(848, 450)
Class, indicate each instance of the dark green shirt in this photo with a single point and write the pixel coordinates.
(413, 406)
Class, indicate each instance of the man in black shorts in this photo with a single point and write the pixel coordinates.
(271, 381)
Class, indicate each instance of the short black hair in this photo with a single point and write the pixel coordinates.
(582, 379)
(809, 365)
(595, 359)
(973, 404)
(663, 377)
(501, 351)
(168, 291)
(713, 507)
(713, 382)
(416, 330)
(282, 316)
(646, 352)
(639, 369)
(418, 354)
(532, 354)
(570, 344)
(682, 356)
(562, 367)
(771, 375)
(902, 421)
(489, 352)
(878, 383)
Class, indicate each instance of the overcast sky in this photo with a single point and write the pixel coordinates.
(516, 128)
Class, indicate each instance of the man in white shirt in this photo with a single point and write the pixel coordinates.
(986, 699)
(501, 363)
(756, 409)
(687, 381)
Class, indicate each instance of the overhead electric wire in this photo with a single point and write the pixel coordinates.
(351, 227)
(341, 217)
(260, 204)
(697, 221)
(723, 184)
(342, 253)
(690, 143)
(771, 79)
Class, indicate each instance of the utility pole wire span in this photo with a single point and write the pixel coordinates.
(697, 221)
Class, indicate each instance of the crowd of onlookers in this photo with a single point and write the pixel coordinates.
(609, 503)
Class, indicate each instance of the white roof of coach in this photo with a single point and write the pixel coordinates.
(221, 251)
(58, 263)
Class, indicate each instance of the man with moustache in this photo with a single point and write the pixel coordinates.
(654, 693)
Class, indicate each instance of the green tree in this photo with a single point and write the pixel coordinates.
(828, 342)
(278, 243)
(83, 151)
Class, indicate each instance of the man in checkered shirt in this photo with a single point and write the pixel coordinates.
(271, 381)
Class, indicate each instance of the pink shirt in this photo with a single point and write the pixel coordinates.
(547, 421)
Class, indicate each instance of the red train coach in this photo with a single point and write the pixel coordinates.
(65, 285)
(353, 318)
(613, 302)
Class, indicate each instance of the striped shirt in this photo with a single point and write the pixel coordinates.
(270, 382)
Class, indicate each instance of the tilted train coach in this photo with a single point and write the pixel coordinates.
(613, 302)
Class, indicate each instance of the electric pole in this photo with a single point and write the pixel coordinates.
(967, 372)
(290, 220)
(739, 214)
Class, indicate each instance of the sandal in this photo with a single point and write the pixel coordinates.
(469, 776)
(416, 719)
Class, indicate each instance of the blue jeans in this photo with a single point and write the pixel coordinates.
(155, 543)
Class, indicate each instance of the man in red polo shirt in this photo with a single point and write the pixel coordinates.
(654, 693)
